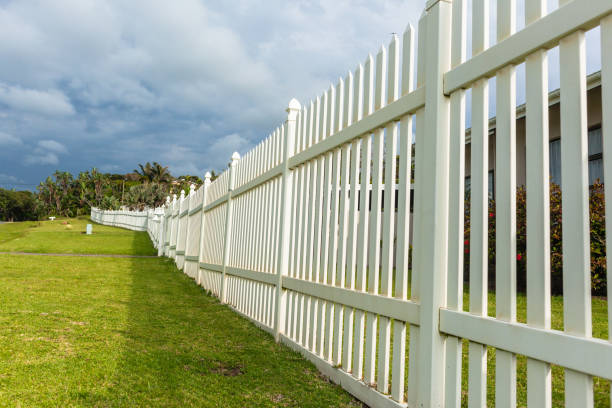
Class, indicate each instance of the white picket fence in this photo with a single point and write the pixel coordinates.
(280, 238)
(149, 221)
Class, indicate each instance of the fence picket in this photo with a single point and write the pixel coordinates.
(375, 220)
(606, 80)
(456, 206)
(477, 396)
(505, 281)
(390, 172)
(575, 217)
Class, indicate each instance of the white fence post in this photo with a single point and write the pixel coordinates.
(172, 227)
(165, 228)
(185, 208)
(228, 223)
(285, 218)
(434, 192)
(161, 238)
(180, 229)
(206, 186)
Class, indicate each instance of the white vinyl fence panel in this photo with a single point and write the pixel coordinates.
(298, 235)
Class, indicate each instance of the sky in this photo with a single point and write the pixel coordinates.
(114, 83)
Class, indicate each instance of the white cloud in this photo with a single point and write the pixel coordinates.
(53, 146)
(41, 158)
(9, 140)
(222, 149)
(45, 153)
(110, 168)
(31, 100)
(184, 83)
(9, 179)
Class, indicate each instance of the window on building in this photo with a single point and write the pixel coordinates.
(554, 162)
(468, 185)
(595, 158)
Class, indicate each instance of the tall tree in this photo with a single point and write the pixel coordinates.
(160, 174)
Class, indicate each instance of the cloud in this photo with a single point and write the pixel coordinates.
(34, 101)
(41, 158)
(184, 83)
(110, 168)
(9, 140)
(8, 179)
(53, 146)
(46, 153)
(223, 148)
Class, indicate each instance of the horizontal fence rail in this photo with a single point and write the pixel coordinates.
(342, 233)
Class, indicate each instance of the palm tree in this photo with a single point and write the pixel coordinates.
(160, 174)
(99, 181)
(154, 173)
(145, 173)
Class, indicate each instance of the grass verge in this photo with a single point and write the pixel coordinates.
(133, 332)
(67, 235)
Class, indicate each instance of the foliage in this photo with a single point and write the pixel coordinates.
(597, 206)
(18, 205)
(597, 241)
(110, 203)
(66, 196)
(146, 196)
(154, 173)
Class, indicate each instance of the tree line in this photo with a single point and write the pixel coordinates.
(65, 195)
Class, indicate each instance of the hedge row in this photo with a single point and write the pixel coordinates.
(597, 229)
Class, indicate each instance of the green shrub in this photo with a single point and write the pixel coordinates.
(597, 232)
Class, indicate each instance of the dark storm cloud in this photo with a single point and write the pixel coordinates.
(113, 83)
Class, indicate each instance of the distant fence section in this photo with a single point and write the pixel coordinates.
(284, 237)
(149, 220)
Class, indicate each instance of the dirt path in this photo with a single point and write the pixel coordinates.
(79, 255)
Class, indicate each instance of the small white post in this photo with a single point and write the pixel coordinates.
(165, 239)
(161, 231)
(172, 227)
(228, 222)
(178, 206)
(285, 218)
(190, 200)
(207, 182)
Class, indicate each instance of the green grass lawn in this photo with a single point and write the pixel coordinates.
(600, 330)
(137, 332)
(57, 237)
(131, 332)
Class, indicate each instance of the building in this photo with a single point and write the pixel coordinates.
(595, 142)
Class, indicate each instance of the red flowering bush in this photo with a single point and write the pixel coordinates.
(597, 228)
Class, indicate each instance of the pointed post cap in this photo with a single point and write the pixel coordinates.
(167, 199)
(174, 197)
(207, 177)
(192, 188)
(431, 3)
(182, 194)
(293, 109)
(294, 105)
(235, 158)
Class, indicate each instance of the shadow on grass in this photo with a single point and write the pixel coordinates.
(181, 347)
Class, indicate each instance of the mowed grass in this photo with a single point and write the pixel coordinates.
(106, 332)
(601, 387)
(599, 316)
(57, 237)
